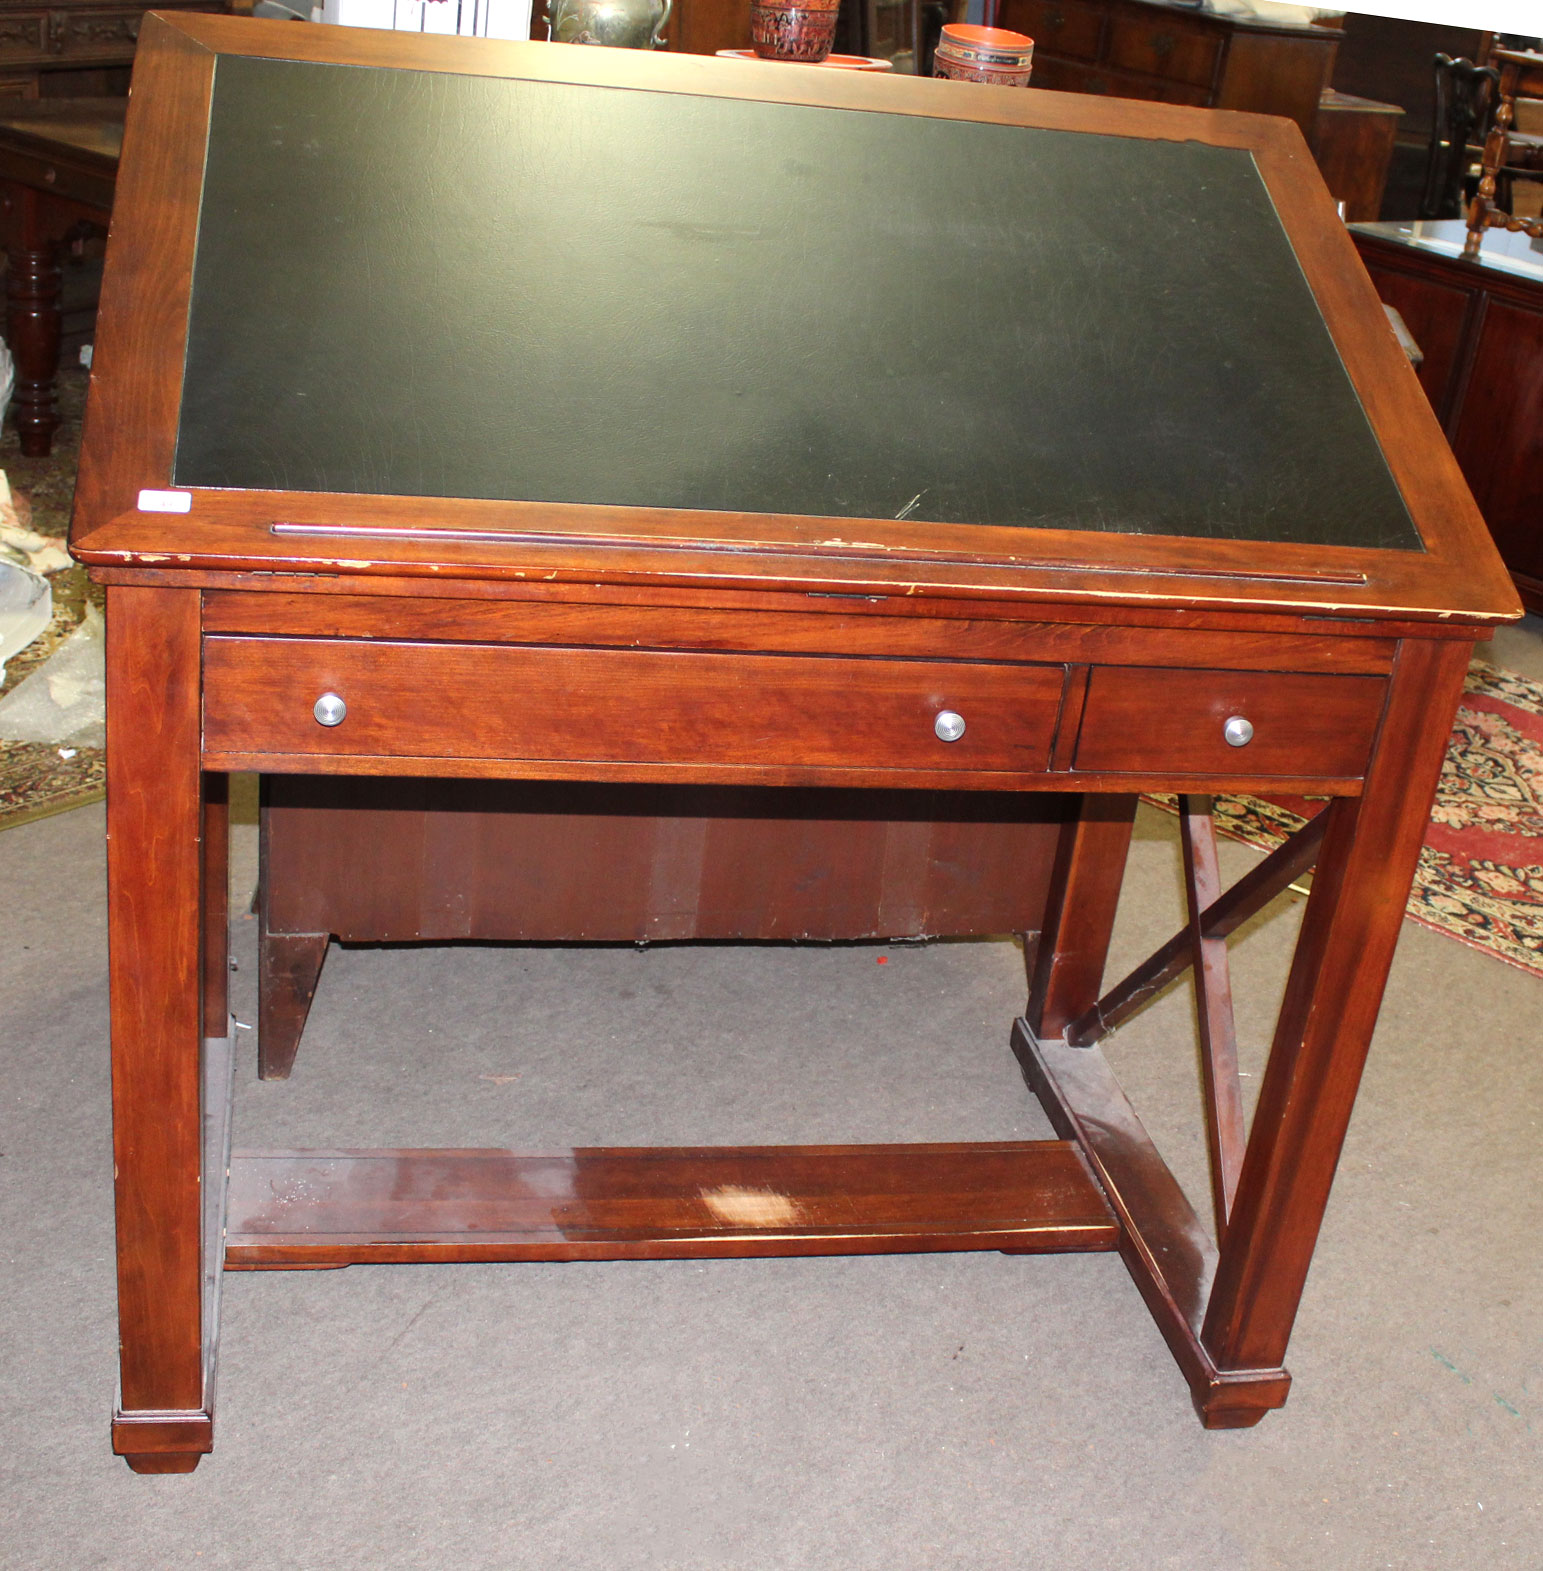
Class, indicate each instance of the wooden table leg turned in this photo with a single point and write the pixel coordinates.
(164, 1421)
(34, 282)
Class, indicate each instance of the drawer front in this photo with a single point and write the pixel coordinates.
(24, 36)
(1140, 721)
(627, 706)
(95, 35)
(1166, 47)
(1064, 76)
(58, 37)
(1058, 27)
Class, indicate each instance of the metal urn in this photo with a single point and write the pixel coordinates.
(623, 24)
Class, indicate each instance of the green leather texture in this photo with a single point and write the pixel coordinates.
(424, 284)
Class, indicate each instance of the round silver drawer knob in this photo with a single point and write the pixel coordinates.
(329, 709)
(949, 726)
(1238, 731)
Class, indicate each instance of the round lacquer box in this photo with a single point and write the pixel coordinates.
(968, 53)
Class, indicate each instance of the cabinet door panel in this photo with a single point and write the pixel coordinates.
(1434, 314)
(1499, 435)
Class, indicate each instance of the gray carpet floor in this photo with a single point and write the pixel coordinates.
(969, 1410)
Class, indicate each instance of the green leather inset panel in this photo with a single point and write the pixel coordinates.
(420, 284)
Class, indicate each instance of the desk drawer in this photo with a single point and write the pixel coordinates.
(1071, 76)
(1140, 721)
(634, 706)
(1165, 47)
(1075, 29)
(24, 37)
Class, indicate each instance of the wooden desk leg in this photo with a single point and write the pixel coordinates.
(1370, 851)
(155, 875)
(34, 282)
(1067, 963)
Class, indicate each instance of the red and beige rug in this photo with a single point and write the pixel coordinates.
(1481, 870)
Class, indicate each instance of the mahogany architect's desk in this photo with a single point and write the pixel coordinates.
(667, 506)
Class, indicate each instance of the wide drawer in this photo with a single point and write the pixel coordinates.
(1062, 27)
(1140, 721)
(630, 706)
(1165, 47)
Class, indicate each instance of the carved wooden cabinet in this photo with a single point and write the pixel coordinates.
(73, 47)
(1176, 54)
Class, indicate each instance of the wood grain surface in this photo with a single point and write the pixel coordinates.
(338, 1207)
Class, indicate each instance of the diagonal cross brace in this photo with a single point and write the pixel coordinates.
(1255, 890)
(1213, 1005)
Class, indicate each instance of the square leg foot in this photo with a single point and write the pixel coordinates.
(156, 1442)
(1242, 1404)
(164, 1461)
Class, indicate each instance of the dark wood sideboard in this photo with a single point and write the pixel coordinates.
(1176, 55)
(1480, 325)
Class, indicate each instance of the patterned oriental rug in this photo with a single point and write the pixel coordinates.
(1481, 872)
(36, 779)
(1481, 869)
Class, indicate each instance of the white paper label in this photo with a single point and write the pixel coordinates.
(166, 501)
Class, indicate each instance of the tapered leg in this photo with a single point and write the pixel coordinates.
(288, 969)
(1370, 851)
(155, 882)
(1067, 964)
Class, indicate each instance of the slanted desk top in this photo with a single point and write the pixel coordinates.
(430, 372)
(546, 297)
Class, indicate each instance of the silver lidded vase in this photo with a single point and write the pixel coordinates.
(622, 24)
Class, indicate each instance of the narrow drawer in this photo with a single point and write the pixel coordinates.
(1065, 76)
(632, 706)
(1166, 47)
(1139, 721)
(24, 36)
(91, 35)
(1059, 27)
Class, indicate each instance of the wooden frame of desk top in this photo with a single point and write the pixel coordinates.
(1090, 665)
